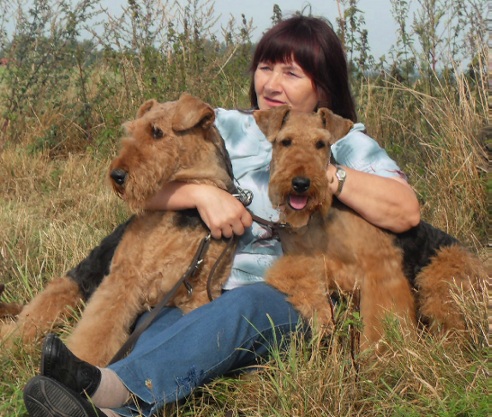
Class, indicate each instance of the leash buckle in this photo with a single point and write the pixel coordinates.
(244, 196)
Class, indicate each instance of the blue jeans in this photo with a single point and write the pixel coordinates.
(178, 353)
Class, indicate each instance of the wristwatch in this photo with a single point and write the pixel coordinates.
(341, 176)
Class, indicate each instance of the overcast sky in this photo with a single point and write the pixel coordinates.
(377, 13)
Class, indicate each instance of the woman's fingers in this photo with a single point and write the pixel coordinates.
(223, 214)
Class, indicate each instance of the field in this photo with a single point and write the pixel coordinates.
(62, 104)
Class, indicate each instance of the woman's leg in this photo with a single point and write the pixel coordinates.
(172, 357)
(230, 333)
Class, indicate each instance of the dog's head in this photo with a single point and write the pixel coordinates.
(168, 141)
(300, 156)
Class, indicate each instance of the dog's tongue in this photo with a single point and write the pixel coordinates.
(297, 202)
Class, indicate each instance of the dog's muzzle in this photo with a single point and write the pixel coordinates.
(119, 176)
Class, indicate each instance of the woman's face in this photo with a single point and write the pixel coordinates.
(284, 83)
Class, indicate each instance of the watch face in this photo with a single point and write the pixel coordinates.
(341, 174)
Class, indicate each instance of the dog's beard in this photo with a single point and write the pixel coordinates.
(137, 192)
(297, 209)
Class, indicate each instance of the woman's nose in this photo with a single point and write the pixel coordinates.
(273, 82)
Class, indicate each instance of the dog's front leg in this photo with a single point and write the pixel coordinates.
(107, 318)
(303, 280)
(385, 294)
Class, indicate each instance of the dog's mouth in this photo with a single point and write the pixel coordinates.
(297, 202)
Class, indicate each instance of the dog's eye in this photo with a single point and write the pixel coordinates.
(320, 144)
(157, 133)
(286, 142)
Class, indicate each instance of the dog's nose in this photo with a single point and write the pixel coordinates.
(301, 184)
(118, 176)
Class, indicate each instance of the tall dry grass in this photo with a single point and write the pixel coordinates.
(320, 377)
(438, 140)
(53, 210)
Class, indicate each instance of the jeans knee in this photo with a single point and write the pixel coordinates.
(256, 301)
(252, 295)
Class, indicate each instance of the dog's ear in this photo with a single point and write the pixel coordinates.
(190, 112)
(271, 121)
(335, 124)
(144, 108)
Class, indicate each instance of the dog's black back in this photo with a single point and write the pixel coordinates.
(419, 245)
(89, 273)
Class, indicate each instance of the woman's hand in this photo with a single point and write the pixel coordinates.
(223, 214)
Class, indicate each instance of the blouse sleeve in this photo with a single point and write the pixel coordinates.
(359, 151)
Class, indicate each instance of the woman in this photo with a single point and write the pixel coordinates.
(299, 62)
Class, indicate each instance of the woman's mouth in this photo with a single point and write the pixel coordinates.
(272, 102)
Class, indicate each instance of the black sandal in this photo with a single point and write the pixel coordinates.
(45, 397)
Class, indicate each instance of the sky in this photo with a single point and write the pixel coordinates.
(377, 13)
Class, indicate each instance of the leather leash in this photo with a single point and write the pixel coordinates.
(246, 197)
(268, 223)
(190, 272)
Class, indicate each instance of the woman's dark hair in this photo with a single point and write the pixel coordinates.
(314, 45)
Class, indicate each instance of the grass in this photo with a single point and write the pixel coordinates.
(320, 377)
(55, 208)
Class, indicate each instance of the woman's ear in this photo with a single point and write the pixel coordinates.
(271, 121)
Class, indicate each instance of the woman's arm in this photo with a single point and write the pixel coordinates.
(223, 214)
(389, 203)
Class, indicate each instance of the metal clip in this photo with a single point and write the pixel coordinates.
(244, 196)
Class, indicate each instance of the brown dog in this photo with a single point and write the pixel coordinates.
(172, 141)
(328, 247)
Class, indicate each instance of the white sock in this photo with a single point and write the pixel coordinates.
(111, 392)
